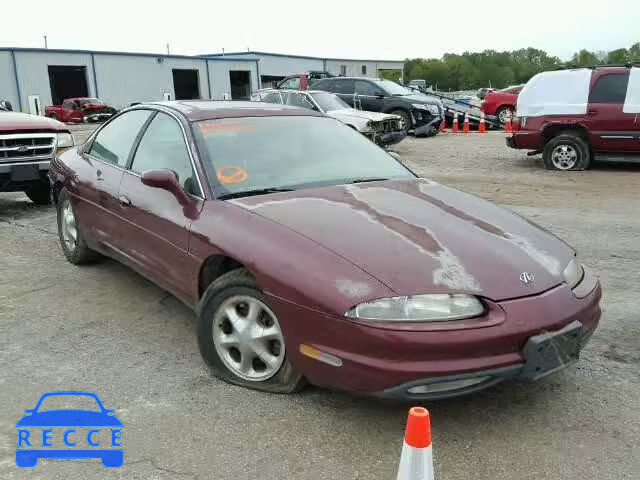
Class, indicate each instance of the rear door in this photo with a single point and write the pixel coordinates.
(345, 88)
(371, 96)
(100, 175)
(610, 129)
(157, 228)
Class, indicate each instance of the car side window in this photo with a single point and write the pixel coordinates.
(113, 143)
(292, 83)
(344, 86)
(366, 88)
(324, 84)
(163, 146)
(611, 88)
(299, 100)
(68, 105)
(273, 97)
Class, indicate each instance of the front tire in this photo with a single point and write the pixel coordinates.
(72, 241)
(566, 152)
(405, 119)
(240, 338)
(39, 192)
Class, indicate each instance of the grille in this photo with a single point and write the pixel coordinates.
(386, 126)
(23, 147)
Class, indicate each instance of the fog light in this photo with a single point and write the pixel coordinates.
(323, 357)
(448, 386)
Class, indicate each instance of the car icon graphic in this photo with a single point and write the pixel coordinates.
(70, 419)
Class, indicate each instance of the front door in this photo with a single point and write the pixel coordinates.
(105, 160)
(157, 228)
(610, 128)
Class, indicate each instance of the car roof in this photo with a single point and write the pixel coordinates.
(353, 78)
(195, 110)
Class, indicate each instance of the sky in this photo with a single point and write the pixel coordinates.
(374, 29)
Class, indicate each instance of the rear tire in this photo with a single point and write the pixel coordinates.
(225, 347)
(566, 152)
(502, 113)
(72, 241)
(39, 192)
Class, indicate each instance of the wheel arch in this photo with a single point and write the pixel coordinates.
(214, 267)
(553, 130)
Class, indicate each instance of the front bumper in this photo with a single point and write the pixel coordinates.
(387, 363)
(525, 140)
(15, 177)
(389, 138)
(97, 117)
(426, 124)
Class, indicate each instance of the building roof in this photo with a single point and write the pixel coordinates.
(256, 53)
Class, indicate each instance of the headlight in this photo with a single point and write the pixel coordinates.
(573, 273)
(419, 308)
(419, 106)
(65, 140)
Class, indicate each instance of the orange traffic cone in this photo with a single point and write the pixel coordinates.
(443, 126)
(416, 461)
(482, 128)
(454, 128)
(508, 128)
(465, 127)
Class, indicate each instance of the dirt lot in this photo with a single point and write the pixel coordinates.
(105, 329)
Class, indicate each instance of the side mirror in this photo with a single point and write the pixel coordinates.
(6, 105)
(167, 180)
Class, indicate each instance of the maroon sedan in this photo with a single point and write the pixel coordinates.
(310, 254)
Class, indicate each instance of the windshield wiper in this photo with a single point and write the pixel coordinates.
(365, 180)
(250, 193)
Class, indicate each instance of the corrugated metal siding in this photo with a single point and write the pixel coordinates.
(123, 80)
(7, 81)
(219, 71)
(33, 72)
(283, 66)
(354, 67)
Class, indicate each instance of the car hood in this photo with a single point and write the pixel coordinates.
(69, 418)
(417, 236)
(17, 122)
(421, 98)
(352, 112)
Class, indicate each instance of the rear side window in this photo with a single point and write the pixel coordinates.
(292, 83)
(610, 88)
(113, 143)
(323, 84)
(343, 86)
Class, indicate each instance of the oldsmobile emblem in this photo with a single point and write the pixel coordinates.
(527, 278)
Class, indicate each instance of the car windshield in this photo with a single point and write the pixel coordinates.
(253, 154)
(86, 101)
(392, 88)
(329, 101)
(69, 402)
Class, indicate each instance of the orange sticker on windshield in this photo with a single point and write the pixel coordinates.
(212, 128)
(232, 174)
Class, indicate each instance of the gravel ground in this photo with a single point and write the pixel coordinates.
(105, 329)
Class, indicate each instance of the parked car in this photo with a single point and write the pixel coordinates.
(420, 113)
(483, 92)
(501, 103)
(301, 81)
(311, 254)
(381, 128)
(80, 110)
(28, 143)
(575, 116)
(419, 84)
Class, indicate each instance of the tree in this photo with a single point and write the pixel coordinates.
(617, 57)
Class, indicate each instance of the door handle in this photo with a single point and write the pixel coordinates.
(124, 201)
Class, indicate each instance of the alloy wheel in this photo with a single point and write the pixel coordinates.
(564, 157)
(69, 226)
(247, 338)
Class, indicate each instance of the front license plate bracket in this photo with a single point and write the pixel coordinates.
(549, 352)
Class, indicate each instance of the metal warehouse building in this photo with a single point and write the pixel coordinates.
(33, 78)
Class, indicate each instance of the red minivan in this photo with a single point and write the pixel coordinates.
(575, 116)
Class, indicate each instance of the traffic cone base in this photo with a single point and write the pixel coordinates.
(416, 461)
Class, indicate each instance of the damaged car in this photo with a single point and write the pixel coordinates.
(381, 128)
(309, 254)
(419, 113)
